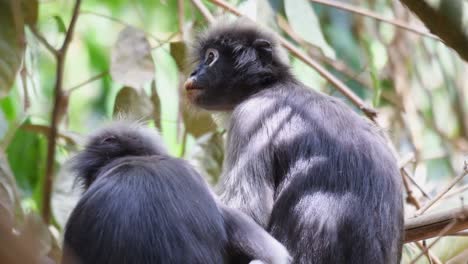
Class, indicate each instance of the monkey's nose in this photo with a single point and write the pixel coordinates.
(194, 73)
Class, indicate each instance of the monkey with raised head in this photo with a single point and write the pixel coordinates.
(302, 164)
(141, 205)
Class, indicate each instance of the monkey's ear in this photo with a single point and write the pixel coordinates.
(264, 49)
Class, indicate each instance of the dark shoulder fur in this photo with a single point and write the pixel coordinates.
(117, 140)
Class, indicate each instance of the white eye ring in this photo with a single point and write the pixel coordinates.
(211, 56)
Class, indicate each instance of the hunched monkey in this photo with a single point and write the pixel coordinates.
(141, 205)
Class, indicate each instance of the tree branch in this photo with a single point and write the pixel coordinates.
(181, 16)
(56, 116)
(43, 40)
(447, 19)
(88, 81)
(446, 189)
(446, 229)
(203, 10)
(430, 225)
(368, 13)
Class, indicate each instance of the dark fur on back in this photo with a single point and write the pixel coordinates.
(302, 164)
(143, 206)
(140, 205)
(146, 210)
(117, 140)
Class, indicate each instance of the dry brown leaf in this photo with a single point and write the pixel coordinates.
(132, 63)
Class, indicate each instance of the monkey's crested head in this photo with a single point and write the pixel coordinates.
(116, 140)
(235, 60)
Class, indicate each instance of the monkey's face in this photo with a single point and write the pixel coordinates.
(228, 71)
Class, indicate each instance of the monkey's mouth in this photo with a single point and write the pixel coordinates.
(191, 85)
(192, 90)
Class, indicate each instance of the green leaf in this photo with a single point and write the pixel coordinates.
(11, 48)
(26, 155)
(305, 23)
(9, 107)
(60, 24)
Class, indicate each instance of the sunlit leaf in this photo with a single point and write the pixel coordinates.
(304, 22)
(11, 47)
(132, 63)
(133, 104)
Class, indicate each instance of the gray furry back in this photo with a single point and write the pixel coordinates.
(322, 179)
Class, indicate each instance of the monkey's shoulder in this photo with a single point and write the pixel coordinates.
(297, 100)
(155, 169)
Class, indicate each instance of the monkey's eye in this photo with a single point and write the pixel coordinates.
(109, 139)
(211, 56)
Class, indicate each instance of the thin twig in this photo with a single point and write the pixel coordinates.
(405, 160)
(165, 41)
(457, 191)
(45, 130)
(368, 13)
(104, 73)
(340, 86)
(336, 64)
(441, 234)
(118, 21)
(43, 40)
(24, 82)
(445, 190)
(88, 81)
(430, 256)
(181, 16)
(409, 192)
(413, 181)
(56, 112)
(203, 10)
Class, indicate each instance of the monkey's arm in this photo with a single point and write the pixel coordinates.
(251, 240)
(247, 181)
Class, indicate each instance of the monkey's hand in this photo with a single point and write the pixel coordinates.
(247, 237)
(256, 262)
(283, 260)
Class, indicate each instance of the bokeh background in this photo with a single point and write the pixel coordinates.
(129, 58)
